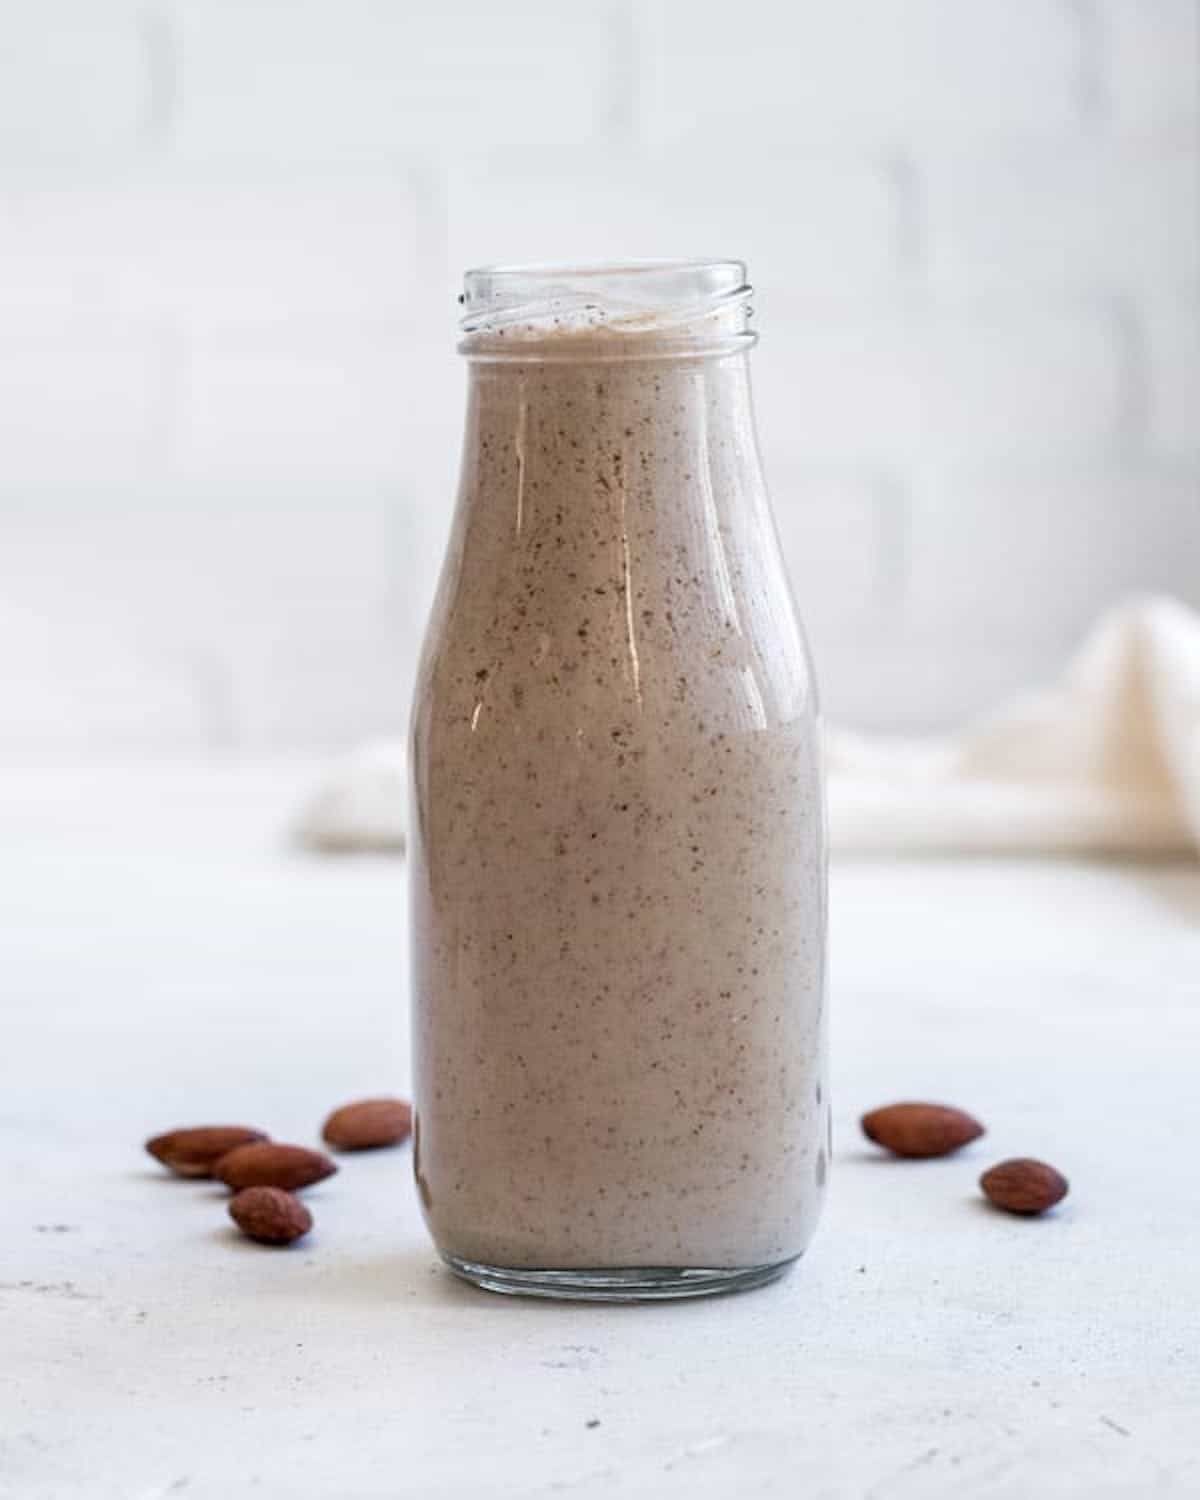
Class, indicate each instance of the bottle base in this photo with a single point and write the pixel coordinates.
(633, 1284)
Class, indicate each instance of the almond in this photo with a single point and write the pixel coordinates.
(920, 1129)
(270, 1164)
(368, 1123)
(1024, 1186)
(195, 1151)
(269, 1215)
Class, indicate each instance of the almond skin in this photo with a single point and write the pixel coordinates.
(913, 1130)
(269, 1215)
(270, 1164)
(195, 1151)
(368, 1124)
(1024, 1186)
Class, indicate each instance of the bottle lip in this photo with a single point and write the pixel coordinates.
(617, 310)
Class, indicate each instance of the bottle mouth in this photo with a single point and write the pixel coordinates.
(651, 309)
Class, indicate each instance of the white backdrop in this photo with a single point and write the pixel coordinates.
(230, 235)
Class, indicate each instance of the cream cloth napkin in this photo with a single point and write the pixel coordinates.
(1106, 761)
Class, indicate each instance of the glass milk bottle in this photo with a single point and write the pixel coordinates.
(617, 858)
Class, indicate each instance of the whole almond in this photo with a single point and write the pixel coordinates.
(912, 1129)
(367, 1124)
(1024, 1186)
(270, 1164)
(269, 1215)
(195, 1151)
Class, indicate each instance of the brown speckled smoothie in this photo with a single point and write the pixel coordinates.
(617, 855)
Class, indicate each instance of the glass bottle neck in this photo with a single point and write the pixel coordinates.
(664, 436)
(624, 503)
(651, 310)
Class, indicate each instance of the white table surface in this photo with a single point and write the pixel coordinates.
(164, 960)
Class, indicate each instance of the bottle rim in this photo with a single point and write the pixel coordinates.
(611, 310)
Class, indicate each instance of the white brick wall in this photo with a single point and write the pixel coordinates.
(230, 237)
(372, 79)
(75, 82)
(1171, 327)
(204, 252)
(1070, 217)
(880, 71)
(76, 407)
(1151, 49)
(933, 385)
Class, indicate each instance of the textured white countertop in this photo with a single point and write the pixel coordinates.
(164, 960)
